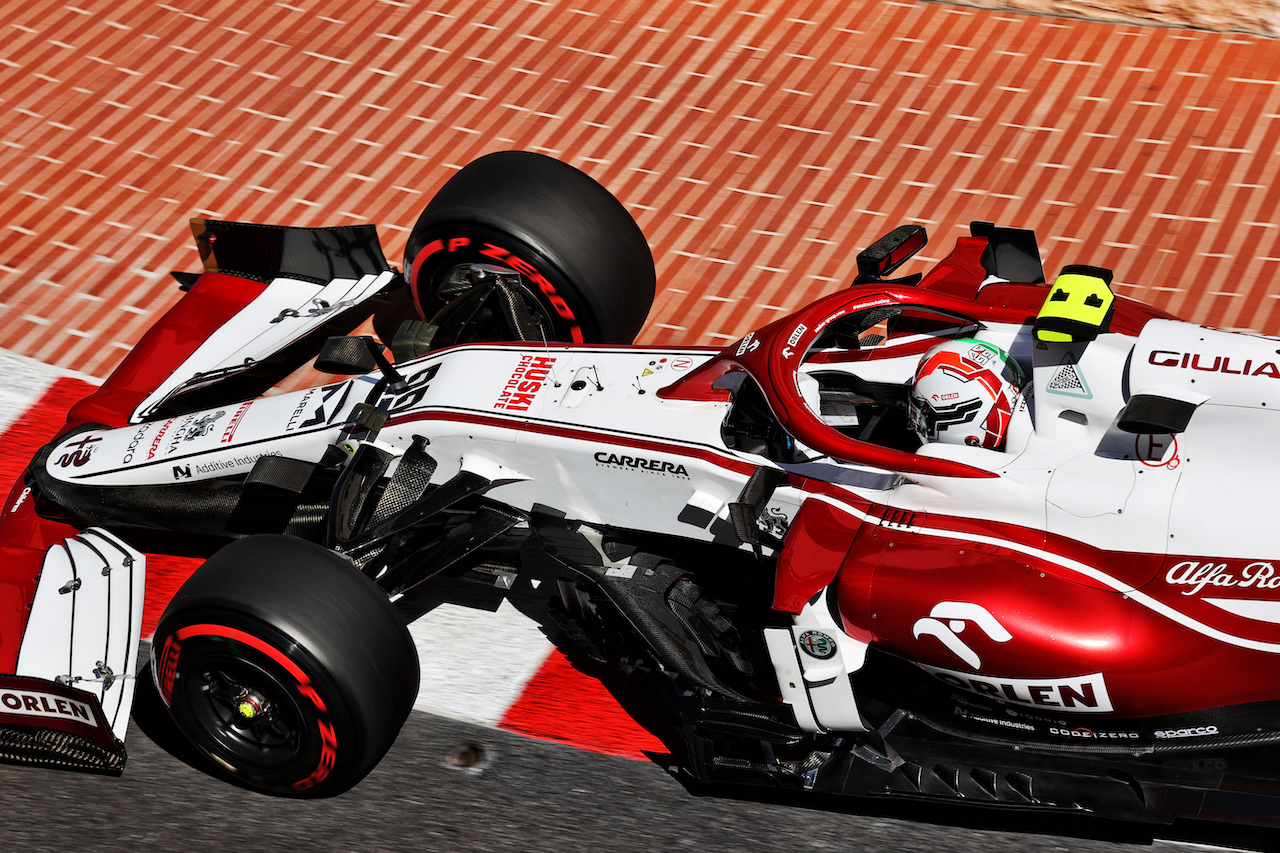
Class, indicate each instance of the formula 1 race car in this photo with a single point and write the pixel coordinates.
(962, 534)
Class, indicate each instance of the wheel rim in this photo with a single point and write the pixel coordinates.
(246, 714)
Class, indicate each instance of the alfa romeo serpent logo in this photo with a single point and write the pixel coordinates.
(817, 644)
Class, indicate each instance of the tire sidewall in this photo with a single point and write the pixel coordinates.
(457, 243)
(331, 741)
(324, 634)
(551, 222)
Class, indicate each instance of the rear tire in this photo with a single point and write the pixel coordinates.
(583, 258)
(285, 666)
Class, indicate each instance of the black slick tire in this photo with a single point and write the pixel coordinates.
(285, 666)
(578, 249)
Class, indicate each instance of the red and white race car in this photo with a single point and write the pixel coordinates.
(963, 534)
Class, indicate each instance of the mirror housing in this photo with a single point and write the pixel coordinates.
(890, 252)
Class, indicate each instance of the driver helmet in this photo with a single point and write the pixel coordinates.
(965, 392)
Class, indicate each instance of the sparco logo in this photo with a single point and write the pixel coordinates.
(1220, 363)
(1198, 575)
(657, 466)
(1195, 731)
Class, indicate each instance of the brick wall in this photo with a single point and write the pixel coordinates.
(1248, 16)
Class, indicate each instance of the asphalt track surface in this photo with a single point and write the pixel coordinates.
(524, 795)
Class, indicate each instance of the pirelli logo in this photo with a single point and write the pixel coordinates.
(30, 703)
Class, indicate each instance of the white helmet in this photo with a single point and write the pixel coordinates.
(964, 392)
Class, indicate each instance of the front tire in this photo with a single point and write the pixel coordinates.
(588, 271)
(285, 666)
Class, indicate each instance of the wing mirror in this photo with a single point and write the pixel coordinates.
(890, 252)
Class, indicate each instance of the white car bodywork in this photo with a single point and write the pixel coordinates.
(85, 622)
(584, 430)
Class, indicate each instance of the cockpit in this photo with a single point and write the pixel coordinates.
(854, 378)
(837, 375)
(835, 380)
